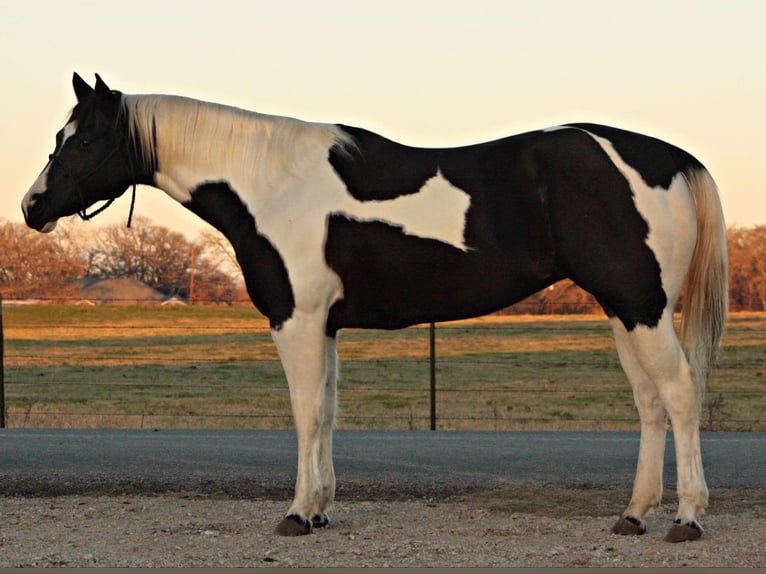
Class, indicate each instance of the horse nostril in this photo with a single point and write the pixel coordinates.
(30, 201)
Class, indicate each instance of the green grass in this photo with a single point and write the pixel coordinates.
(215, 367)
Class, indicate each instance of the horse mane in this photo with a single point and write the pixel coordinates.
(167, 129)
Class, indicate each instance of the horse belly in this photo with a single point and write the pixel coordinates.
(392, 280)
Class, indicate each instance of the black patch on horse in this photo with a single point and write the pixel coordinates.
(376, 168)
(658, 162)
(393, 280)
(264, 271)
(599, 234)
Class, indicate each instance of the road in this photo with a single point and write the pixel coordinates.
(386, 464)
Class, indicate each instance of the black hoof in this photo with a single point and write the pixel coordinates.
(319, 521)
(629, 525)
(683, 532)
(293, 525)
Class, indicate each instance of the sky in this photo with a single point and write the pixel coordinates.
(422, 72)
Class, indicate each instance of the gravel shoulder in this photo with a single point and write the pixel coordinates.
(509, 527)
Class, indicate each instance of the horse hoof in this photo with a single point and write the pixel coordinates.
(293, 525)
(684, 532)
(629, 525)
(319, 521)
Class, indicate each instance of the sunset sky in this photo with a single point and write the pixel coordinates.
(423, 72)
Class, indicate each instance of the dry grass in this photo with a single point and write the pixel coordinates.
(216, 367)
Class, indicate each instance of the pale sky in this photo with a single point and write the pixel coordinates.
(422, 72)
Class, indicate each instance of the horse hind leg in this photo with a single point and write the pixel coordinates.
(647, 486)
(659, 354)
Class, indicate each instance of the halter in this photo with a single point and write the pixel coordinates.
(82, 213)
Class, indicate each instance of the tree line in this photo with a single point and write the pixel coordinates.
(39, 266)
(45, 266)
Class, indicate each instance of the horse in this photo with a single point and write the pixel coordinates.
(337, 227)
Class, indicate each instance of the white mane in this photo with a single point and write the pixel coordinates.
(170, 129)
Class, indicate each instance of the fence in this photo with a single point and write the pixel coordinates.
(211, 367)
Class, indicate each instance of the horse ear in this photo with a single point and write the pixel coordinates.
(81, 89)
(102, 88)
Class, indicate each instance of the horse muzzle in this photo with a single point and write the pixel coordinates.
(33, 206)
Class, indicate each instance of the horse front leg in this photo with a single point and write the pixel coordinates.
(301, 343)
(326, 470)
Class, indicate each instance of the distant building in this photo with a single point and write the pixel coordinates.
(174, 301)
(121, 291)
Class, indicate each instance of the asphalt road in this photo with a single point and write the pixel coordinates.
(369, 464)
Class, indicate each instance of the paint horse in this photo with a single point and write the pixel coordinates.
(335, 226)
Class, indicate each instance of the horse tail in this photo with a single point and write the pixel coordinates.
(706, 299)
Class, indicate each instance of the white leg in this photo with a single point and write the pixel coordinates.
(301, 345)
(663, 360)
(326, 471)
(647, 487)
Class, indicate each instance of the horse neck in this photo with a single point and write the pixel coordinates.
(187, 142)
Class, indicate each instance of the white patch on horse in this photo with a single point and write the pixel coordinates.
(299, 230)
(172, 188)
(437, 211)
(670, 215)
(40, 185)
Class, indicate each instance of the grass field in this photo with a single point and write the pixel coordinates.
(215, 367)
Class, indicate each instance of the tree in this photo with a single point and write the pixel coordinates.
(34, 265)
(219, 251)
(747, 267)
(152, 254)
(219, 272)
(564, 297)
(161, 258)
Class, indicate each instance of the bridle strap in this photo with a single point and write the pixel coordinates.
(82, 212)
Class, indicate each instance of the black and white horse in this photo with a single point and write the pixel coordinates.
(335, 226)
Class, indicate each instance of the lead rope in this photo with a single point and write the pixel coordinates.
(133, 193)
(132, 204)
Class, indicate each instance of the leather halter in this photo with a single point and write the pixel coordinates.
(84, 215)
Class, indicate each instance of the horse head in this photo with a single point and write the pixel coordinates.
(92, 161)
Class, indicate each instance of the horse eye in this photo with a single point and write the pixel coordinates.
(84, 143)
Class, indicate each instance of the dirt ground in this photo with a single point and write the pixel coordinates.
(511, 527)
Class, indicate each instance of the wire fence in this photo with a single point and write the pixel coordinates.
(206, 367)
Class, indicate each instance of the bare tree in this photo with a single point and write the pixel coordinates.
(161, 258)
(34, 265)
(747, 267)
(149, 253)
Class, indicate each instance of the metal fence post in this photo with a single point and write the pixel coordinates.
(2, 371)
(432, 346)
